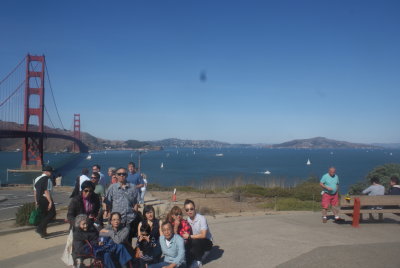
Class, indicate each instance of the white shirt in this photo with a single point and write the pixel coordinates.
(199, 223)
(82, 179)
(145, 185)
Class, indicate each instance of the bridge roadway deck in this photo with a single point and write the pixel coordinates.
(296, 239)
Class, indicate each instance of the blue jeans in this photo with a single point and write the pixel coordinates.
(120, 253)
(162, 264)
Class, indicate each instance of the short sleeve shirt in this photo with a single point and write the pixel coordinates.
(122, 200)
(42, 183)
(331, 182)
(198, 224)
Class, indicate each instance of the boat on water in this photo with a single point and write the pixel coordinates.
(267, 172)
(308, 162)
(162, 165)
(89, 157)
(219, 155)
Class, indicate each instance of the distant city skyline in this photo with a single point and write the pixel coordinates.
(230, 71)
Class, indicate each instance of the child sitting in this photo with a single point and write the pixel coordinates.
(146, 245)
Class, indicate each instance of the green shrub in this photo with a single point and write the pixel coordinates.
(307, 191)
(23, 213)
(290, 204)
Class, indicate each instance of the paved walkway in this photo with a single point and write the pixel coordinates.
(297, 239)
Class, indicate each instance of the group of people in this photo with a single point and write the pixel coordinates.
(105, 216)
(330, 193)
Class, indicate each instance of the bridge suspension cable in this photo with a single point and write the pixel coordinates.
(52, 94)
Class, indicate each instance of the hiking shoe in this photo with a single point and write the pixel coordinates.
(324, 219)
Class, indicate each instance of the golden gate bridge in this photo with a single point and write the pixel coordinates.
(28, 111)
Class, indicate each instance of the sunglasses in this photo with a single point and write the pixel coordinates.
(93, 177)
(178, 214)
(189, 209)
(87, 191)
(122, 174)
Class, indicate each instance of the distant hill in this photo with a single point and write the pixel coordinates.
(321, 143)
(388, 145)
(190, 143)
(60, 145)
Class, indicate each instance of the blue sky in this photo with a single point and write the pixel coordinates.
(276, 70)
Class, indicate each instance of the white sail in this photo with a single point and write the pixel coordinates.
(308, 162)
(162, 165)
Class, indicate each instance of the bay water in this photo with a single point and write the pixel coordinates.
(195, 166)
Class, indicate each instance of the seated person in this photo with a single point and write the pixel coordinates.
(179, 225)
(84, 239)
(146, 244)
(118, 233)
(373, 190)
(200, 241)
(150, 220)
(113, 245)
(394, 186)
(173, 249)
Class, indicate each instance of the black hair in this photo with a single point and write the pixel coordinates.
(145, 228)
(148, 208)
(96, 175)
(85, 171)
(188, 201)
(165, 223)
(87, 184)
(395, 179)
(374, 179)
(97, 166)
(131, 163)
(115, 213)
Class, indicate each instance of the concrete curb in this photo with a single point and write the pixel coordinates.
(3, 198)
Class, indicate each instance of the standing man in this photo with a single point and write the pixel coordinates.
(43, 187)
(330, 196)
(134, 177)
(201, 239)
(99, 190)
(103, 181)
(122, 197)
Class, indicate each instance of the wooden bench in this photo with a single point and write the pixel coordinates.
(369, 204)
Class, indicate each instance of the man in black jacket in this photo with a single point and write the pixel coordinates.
(43, 187)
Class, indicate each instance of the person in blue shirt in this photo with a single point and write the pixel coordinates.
(330, 194)
(134, 177)
(173, 248)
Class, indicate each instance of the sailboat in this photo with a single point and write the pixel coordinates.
(308, 162)
(89, 157)
(162, 165)
(267, 172)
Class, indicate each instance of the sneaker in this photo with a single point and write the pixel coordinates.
(324, 219)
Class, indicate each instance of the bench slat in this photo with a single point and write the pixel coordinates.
(365, 200)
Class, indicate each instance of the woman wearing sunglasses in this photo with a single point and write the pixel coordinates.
(180, 226)
(87, 202)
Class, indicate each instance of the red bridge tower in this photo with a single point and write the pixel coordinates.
(32, 154)
(77, 131)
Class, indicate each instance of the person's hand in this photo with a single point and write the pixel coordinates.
(328, 188)
(103, 231)
(106, 214)
(186, 235)
(140, 238)
(140, 254)
(49, 206)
